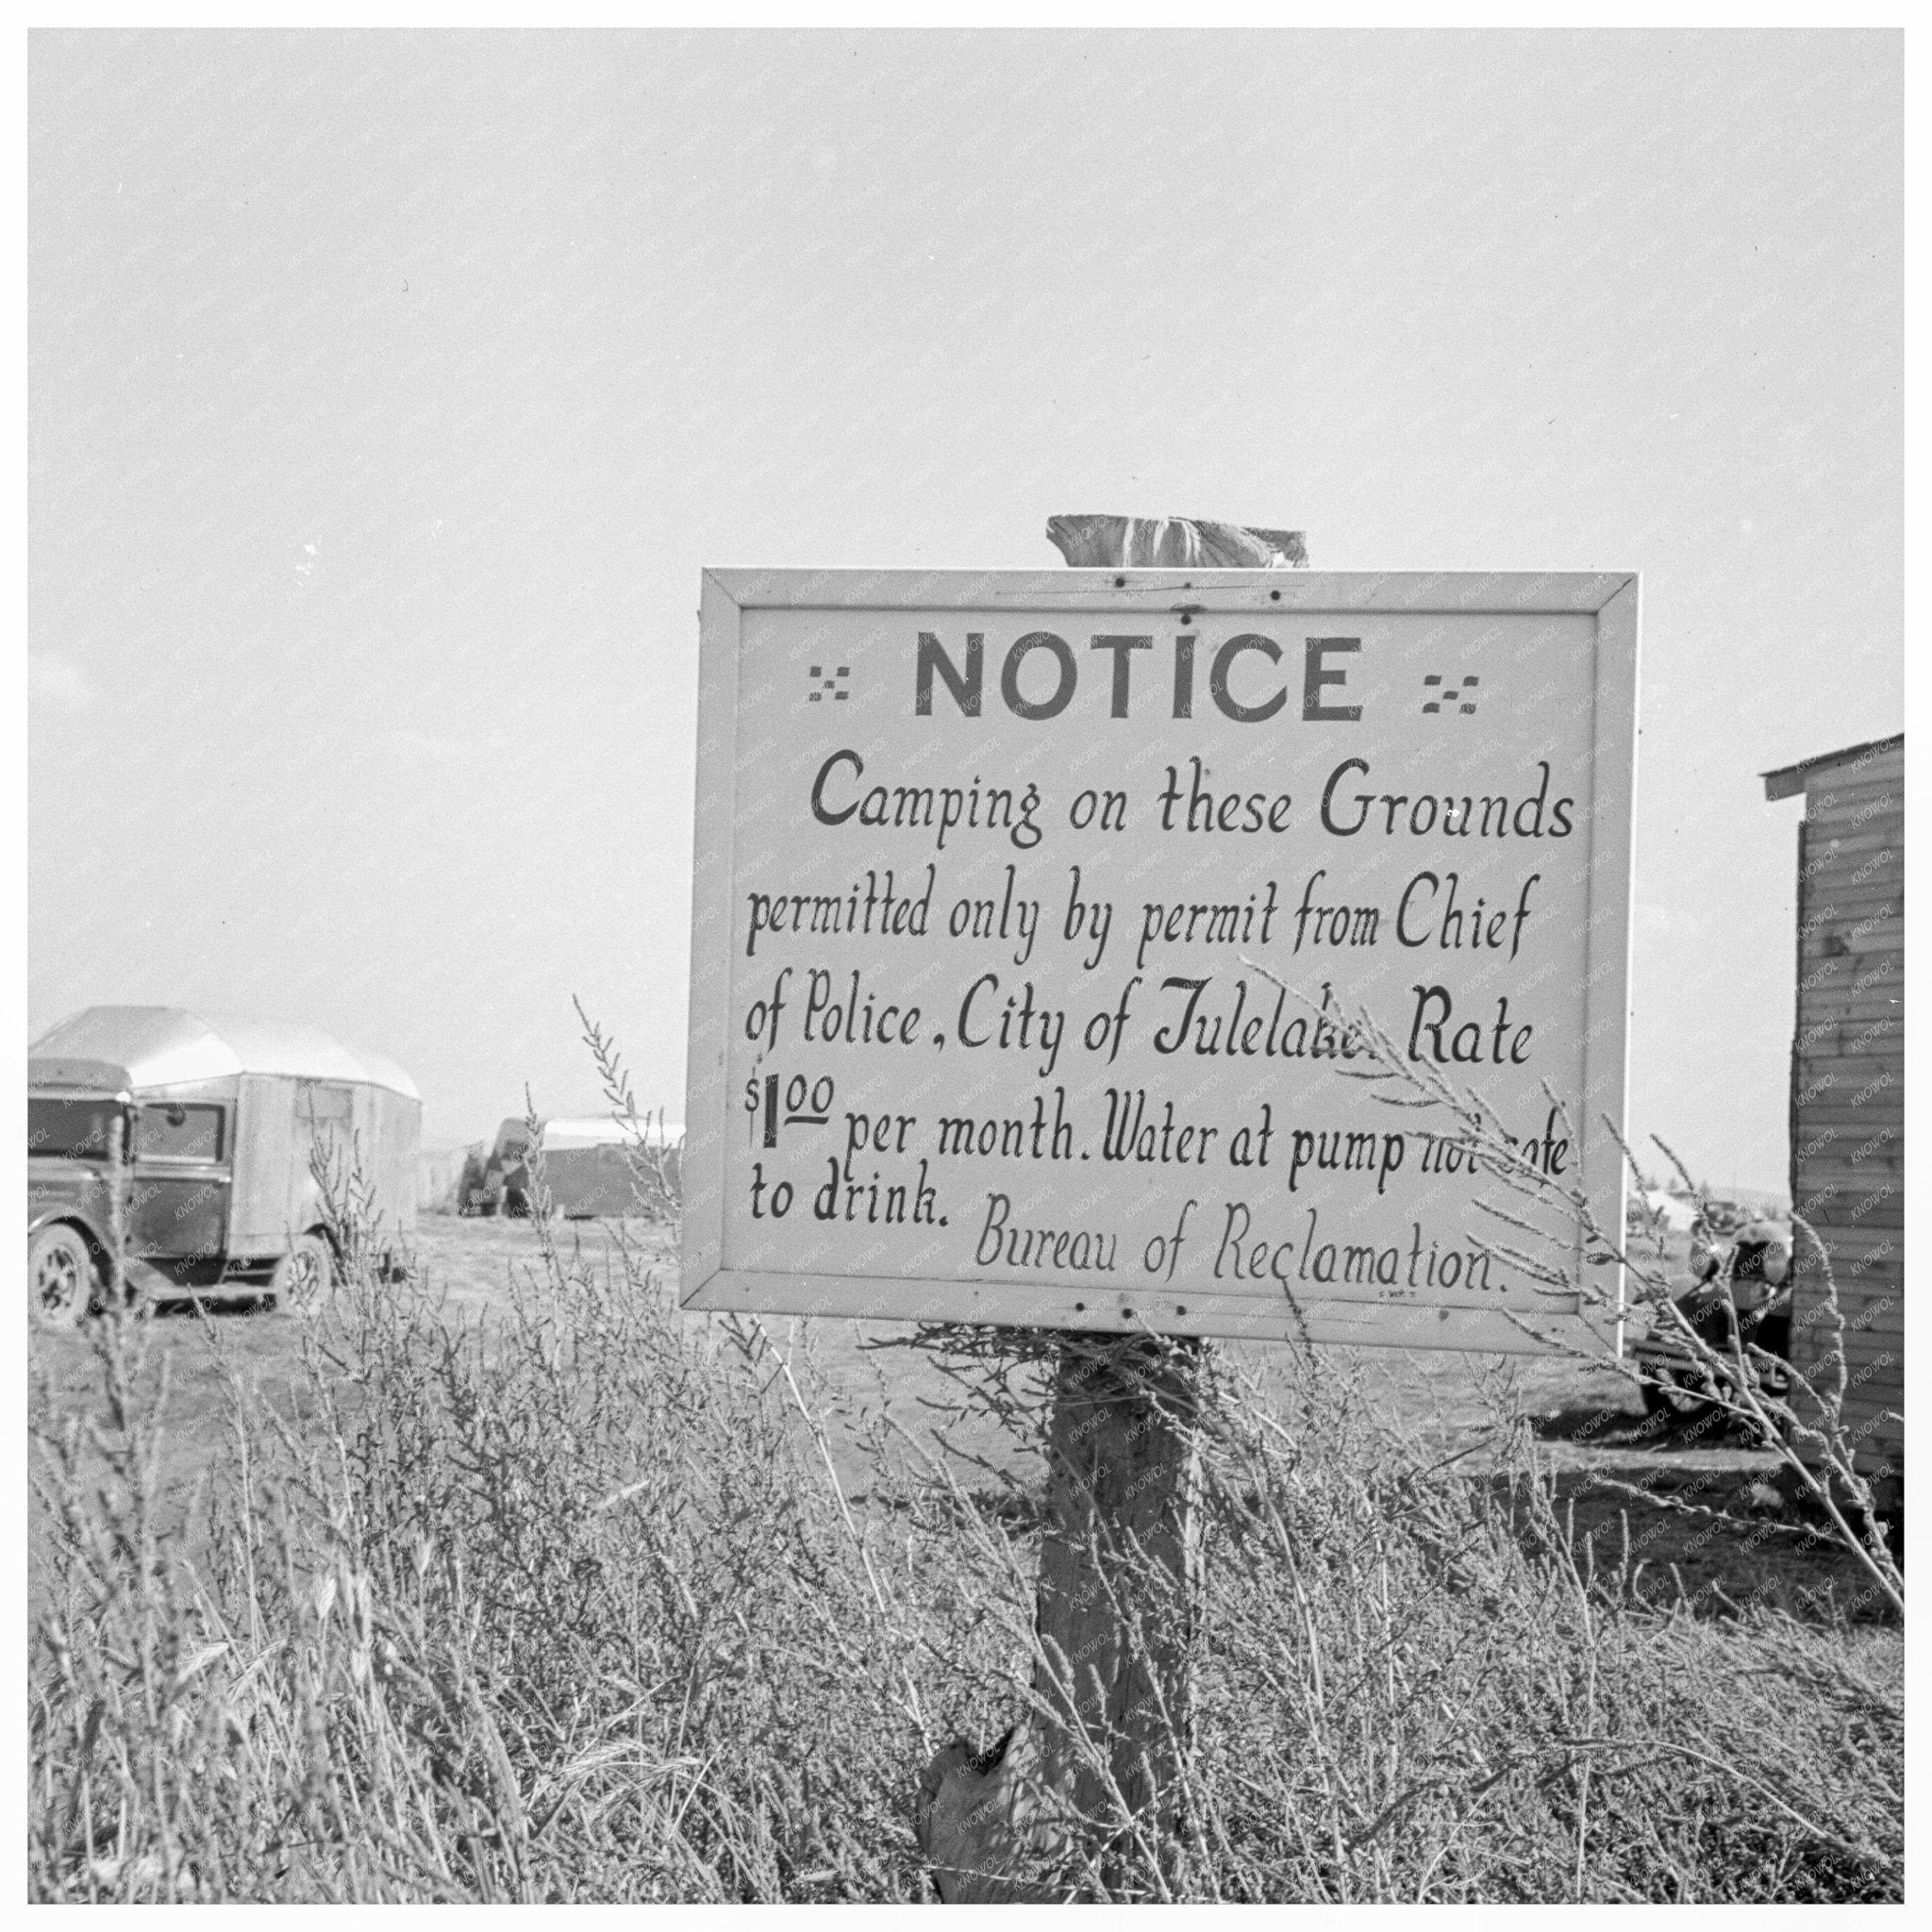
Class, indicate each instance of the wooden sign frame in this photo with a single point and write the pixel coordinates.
(1611, 598)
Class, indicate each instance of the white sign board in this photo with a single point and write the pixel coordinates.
(992, 874)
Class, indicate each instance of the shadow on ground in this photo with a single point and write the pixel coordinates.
(1709, 1541)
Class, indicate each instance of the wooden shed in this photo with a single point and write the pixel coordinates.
(1847, 1098)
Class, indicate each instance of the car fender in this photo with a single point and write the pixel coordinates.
(73, 1218)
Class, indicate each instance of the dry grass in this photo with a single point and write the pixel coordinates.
(566, 1603)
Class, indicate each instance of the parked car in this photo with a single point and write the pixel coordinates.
(499, 1182)
(473, 1188)
(218, 1124)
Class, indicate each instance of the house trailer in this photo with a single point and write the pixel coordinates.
(1847, 1092)
(219, 1124)
(586, 1166)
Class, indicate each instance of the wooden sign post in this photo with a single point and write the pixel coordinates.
(1120, 1458)
(1115, 1605)
(981, 860)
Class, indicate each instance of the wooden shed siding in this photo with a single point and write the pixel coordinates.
(1861, 919)
(1863, 1306)
(1876, 1352)
(1829, 1108)
(1835, 1105)
(1848, 1095)
(1841, 969)
(1854, 1203)
(1843, 1153)
(1868, 1052)
(1832, 1026)
(1844, 906)
(1824, 1014)
(1842, 862)
(1863, 1259)
(1875, 1173)
(1857, 805)
(1873, 1329)
(1865, 904)
(1853, 1067)
(1861, 931)
(1869, 797)
(1868, 858)
(1833, 1006)
(1867, 809)
(1870, 1335)
(1827, 1152)
(1852, 1147)
(1855, 1139)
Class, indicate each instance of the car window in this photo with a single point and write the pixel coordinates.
(69, 1129)
(169, 1131)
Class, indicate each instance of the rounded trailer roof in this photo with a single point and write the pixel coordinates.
(135, 1047)
(640, 1131)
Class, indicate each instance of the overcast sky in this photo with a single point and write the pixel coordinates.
(389, 393)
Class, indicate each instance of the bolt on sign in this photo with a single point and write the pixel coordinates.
(1035, 915)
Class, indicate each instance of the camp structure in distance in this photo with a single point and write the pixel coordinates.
(591, 1167)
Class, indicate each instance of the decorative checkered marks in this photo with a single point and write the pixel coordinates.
(1455, 697)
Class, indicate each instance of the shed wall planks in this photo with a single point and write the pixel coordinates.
(1848, 1097)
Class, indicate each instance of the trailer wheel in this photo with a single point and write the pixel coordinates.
(62, 1277)
(303, 1271)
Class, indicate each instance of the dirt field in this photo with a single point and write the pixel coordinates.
(1635, 1493)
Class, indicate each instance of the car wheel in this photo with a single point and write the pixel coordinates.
(303, 1271)
(60, 1277)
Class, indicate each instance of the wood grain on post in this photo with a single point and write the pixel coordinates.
(1114, 1606)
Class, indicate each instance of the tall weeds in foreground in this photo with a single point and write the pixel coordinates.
(570, 1605)
(1545, 1232)
(1418, 1685)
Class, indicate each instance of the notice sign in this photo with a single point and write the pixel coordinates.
(1034, 914)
